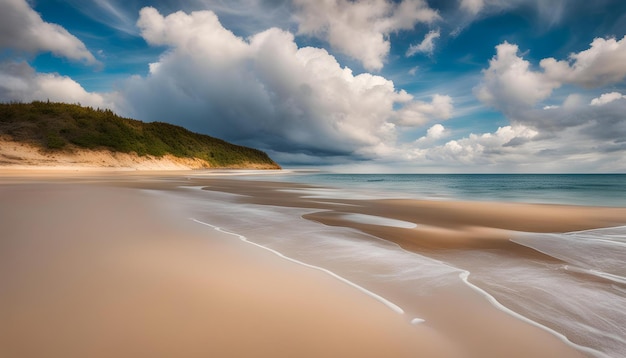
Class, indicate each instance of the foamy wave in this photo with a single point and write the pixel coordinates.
(604, 275)
(599, 252)
(465, 277)
(378, 220)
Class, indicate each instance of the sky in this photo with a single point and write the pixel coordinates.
(406, 86)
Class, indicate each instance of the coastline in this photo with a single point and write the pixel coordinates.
(477, 237)
(452, 314)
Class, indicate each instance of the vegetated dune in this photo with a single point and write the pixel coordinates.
(43, 134)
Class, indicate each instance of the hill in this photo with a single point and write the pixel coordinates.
(60, 130)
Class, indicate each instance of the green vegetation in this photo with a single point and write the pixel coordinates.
(61, 126)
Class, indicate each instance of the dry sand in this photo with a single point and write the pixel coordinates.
(89, 271)
(103, 270)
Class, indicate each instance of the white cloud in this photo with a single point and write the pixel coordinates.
(576, 130)
(427, 45)
(496, 148)
(550, 107)
(418, 113)
(20, 82)
(22, 29)
(472, 6)
(522, 148)
(509, 83)
(607, 98)
(433, 134)
(603, 63)
(360, 29)
(199, 33)
(266, 92)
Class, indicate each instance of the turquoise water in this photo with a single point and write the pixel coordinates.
(576, 189)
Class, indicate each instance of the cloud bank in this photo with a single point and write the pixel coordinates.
(267, 92)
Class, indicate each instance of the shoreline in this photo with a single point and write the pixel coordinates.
(444, 228)
(450, 330)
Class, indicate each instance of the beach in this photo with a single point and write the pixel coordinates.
(194, 264)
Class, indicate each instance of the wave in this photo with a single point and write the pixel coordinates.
(598, 252)
(465, 277)
(589, 286)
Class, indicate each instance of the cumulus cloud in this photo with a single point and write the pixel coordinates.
(596, 127)
(521, 148)
(360, 29)
(602, 64)
(427, 45)
(22, 29)
(267, 92)
(480, 149)
(20, 82)
(433, 134)
(607, 98)
(509, 83)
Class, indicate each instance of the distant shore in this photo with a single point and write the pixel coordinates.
(97, 267)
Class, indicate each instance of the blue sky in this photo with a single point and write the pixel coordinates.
(370, 86)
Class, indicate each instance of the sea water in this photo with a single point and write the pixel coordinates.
(581, 297)
(575, 189)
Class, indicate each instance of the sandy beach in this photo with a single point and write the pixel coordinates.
(98, 272)
(99, 265)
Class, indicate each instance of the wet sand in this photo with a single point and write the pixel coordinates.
(439, 224)
(445, 230)
(91, 266)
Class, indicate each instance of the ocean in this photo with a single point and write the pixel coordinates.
(572, 189)
(580, 296)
